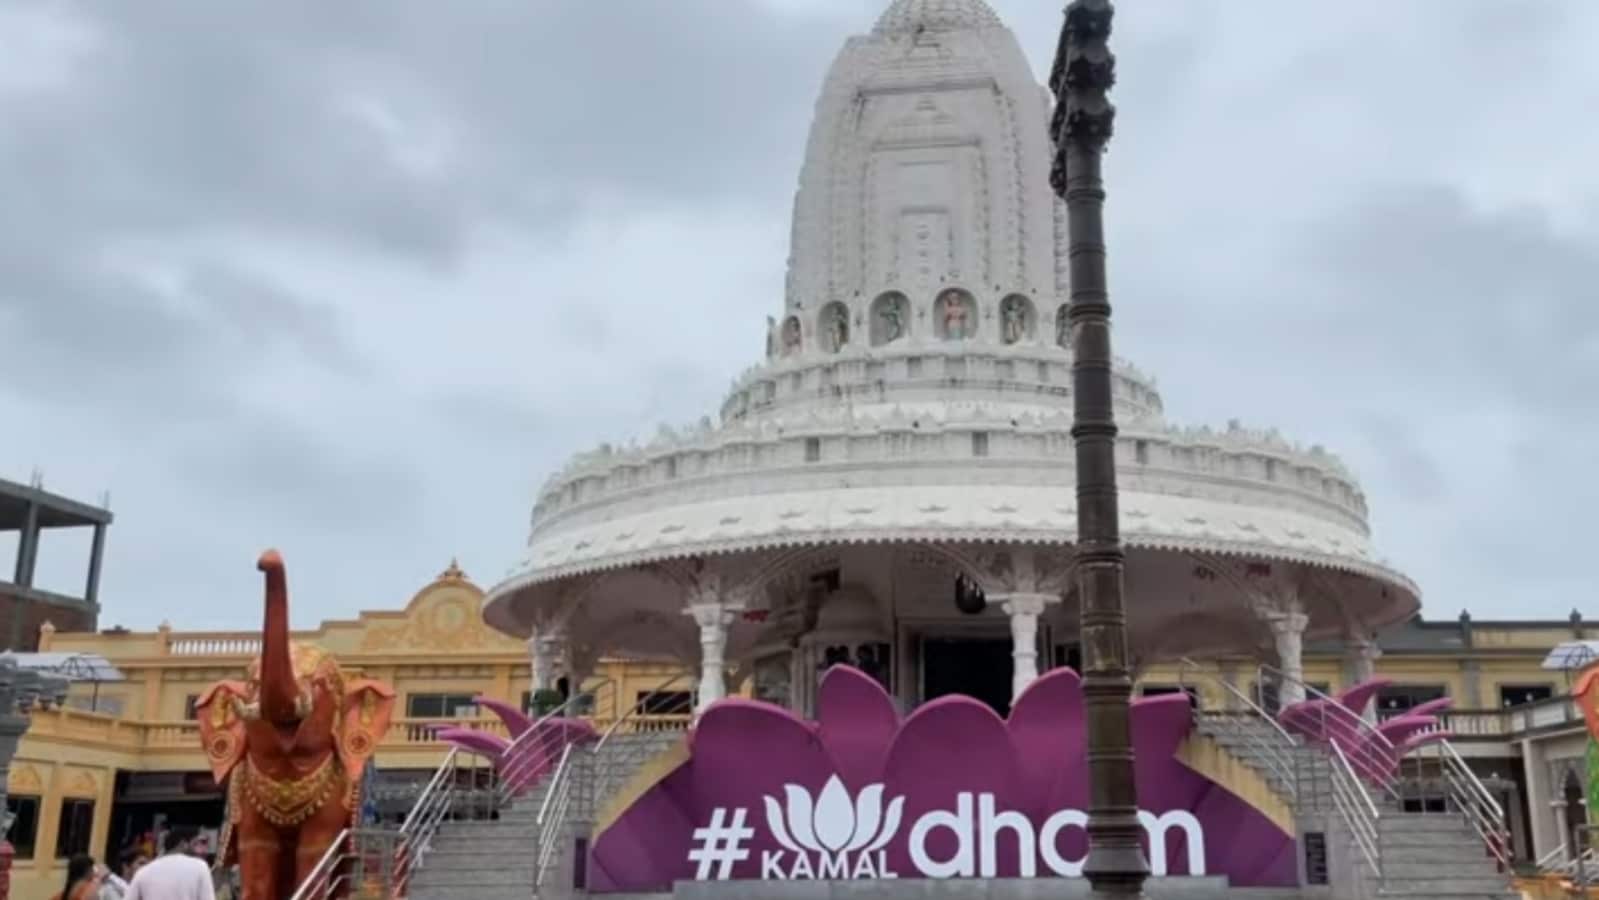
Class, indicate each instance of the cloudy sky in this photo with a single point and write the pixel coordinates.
(351, 279)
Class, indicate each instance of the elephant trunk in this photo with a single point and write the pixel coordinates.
(279, 693)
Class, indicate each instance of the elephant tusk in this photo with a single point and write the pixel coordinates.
(249, 712)
(302, 705)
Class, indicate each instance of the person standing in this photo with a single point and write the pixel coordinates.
(114, 886)
(176, 875)
(83, 879)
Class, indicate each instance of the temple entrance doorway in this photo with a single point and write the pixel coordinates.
(978, 667)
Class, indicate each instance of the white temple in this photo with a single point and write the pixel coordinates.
(910, 422)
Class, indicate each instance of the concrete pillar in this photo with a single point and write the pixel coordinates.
(1288, 632)
(1024, 610)
(1471, 685)
(91, 588)
(713, 618)
(27, 547)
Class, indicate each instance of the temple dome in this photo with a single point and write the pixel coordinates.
(909, 16)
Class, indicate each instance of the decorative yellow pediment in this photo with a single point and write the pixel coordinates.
(444, 617)
(81, 783)
(24, 779)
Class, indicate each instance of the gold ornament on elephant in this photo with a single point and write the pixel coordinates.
(285, 802)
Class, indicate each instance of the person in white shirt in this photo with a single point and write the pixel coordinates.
(175, 875)
(114, 886)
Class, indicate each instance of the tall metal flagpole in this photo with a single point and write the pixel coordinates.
(1084, 71)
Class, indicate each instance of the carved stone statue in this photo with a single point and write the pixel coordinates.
(1063, 328)
(1013, 319)
(891, 318)
(835, 327)
(957, 315)
(771, 337)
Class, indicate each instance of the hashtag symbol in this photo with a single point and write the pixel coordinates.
(720, 844)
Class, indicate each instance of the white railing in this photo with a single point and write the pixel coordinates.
(611, 767)
(1371, 755)
(552, 818)
(1358, 810)
(1276, 753)
(433, 806)
(1583, 869)
(214, 646)
(601, 769)
(1474, 801)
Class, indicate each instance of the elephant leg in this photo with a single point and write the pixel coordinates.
(316, 835)
(260, 861)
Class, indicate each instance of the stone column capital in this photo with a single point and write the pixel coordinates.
(1025, 603)
(1285, 621)
(711, 613)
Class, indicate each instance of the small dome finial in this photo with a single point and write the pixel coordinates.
(453, 573)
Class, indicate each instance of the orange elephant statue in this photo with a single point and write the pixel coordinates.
(291, 742)
(1587, 694)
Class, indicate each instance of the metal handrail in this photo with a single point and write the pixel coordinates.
(533, 746)
(428, 813)
(633, 710)
(1546, 863)
(1482, 811)
(1374, 754)
(557, 803)
(320, 882)
(551, 819)
(1281, 761)
(434, 785)
(1581, 878)
(1358, 810)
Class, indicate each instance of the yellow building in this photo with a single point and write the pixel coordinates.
(96, 775)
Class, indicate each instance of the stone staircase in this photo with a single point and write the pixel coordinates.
(1422, 854)
(496, 859)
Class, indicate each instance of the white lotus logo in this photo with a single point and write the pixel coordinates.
(831, 824)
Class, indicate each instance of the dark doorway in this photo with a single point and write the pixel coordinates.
(978, 668)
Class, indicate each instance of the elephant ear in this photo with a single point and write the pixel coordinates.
(1587, 694)
(221, 729)
(368, 705)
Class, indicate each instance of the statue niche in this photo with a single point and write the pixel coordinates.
(833, 325)
(956, 315)
(891, 313)
(791, 335)
(1015, 319)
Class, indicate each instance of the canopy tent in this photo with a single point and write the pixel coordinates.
(1572, 655)
(77, 668)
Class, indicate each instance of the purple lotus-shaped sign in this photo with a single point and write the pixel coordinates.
(950, 791)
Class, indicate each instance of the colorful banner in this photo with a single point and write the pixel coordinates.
(952, 791)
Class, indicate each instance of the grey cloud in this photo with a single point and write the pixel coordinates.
(1337, 219)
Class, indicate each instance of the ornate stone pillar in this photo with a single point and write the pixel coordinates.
(713, 618)
(1288, 632)
(1024, 610)
(1360, 664)
(545, 650)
